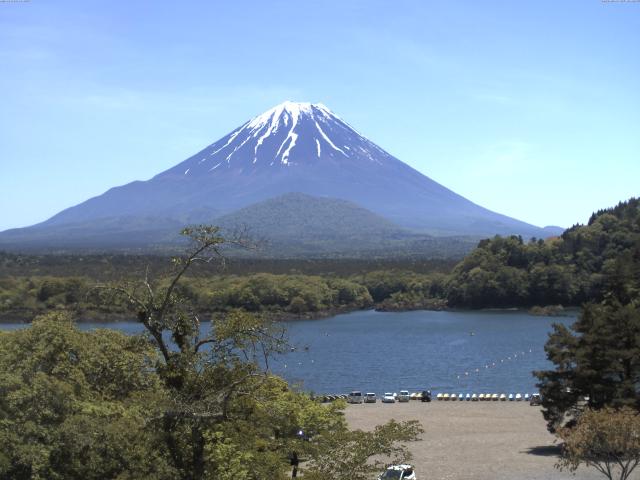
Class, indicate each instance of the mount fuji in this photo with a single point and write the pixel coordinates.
(292, 148)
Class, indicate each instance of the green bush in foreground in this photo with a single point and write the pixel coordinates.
(76, 405)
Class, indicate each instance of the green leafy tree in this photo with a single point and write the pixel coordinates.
(358, 455)
(207, 376)
(607, 440)
(76, 405)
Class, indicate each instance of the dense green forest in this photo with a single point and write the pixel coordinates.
(284, 295)
(104, 267)
(31, 285)
(582, 264)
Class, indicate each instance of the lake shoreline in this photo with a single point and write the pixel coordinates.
(90, 316)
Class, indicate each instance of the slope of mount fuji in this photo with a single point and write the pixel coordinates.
(293, 147)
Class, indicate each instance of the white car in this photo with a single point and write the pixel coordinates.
(355, 397)
(404, 396)
(370, 397)
(398, 472)
(388, 398)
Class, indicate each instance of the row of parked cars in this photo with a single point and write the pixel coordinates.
(389, 397)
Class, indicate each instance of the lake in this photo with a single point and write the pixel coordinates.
(471, 351)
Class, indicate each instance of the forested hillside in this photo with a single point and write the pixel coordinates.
(582, 264)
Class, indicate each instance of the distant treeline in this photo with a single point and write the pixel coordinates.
(602, 256)
(117, 266)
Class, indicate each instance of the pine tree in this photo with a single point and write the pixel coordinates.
(597, 362)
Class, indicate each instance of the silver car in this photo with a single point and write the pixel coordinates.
(404, 396)
(355, 397)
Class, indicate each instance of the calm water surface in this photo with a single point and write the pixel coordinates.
(488, 351)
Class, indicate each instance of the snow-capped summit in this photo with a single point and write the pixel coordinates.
(289, 134)
(293, 147)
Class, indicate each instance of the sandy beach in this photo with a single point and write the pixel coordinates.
(479, 440)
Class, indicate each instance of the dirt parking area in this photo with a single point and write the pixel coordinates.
(474, 440)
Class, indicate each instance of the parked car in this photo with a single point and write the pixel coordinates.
(404, 396)
(398, 472)
(388, 398)
(535, 399)
(426, 396)
(370, 397)
(355, 397)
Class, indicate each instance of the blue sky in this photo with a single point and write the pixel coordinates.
(531, 109)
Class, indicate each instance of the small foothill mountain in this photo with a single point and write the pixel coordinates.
(347, 188)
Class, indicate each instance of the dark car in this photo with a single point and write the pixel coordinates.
(426, 396)
(398, 472)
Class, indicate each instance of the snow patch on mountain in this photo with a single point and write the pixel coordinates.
(328, 140)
